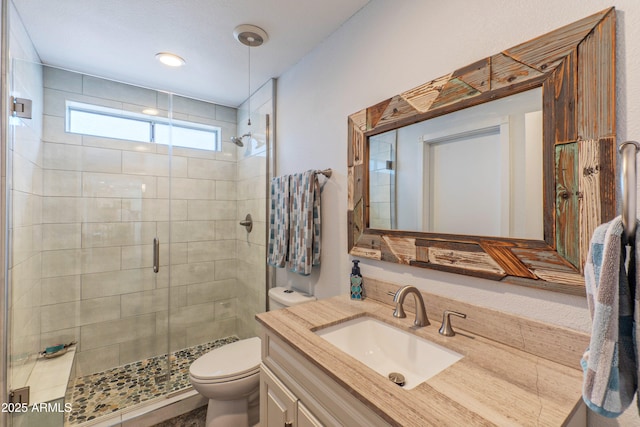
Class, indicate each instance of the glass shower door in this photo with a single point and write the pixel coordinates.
(100, 172)
(89, 193)
(125, 222)
(23, 232)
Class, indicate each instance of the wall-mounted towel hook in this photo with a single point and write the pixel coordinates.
(628, 180)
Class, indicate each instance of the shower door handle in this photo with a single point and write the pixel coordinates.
(156, 255)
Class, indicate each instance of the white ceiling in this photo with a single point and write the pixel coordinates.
(118, 39)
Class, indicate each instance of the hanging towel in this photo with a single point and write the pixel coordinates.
(304, 236)
(279, 222)
(610, 362)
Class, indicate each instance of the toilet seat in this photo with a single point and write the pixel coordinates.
(228, 363)
(221, 380)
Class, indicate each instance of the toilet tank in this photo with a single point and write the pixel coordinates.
(280, 297)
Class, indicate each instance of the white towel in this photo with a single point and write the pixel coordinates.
(610, 362)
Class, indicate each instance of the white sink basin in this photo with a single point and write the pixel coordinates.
(387, 349)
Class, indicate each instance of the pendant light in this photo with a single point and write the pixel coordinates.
(250, 36)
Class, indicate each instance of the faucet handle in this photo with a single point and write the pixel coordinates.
(446, 328)
(399, 311)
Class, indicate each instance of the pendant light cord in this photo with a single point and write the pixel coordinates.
(249, 87)
(250, 36)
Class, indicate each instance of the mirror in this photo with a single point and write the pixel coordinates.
(485, 160)
(573, 70)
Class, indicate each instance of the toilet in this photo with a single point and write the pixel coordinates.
(229, 376)
(280, 297)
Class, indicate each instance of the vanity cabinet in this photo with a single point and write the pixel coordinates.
(307, 381)
(277, 403)
(306, 418)
(279, 406)
(294, 392)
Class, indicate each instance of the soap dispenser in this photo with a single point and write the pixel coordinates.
(356, 286)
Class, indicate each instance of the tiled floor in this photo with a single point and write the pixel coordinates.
(195, 418)
(106, 392)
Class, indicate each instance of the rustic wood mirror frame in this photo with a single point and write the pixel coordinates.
(575, 66)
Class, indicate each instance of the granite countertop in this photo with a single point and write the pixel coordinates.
(493, 384)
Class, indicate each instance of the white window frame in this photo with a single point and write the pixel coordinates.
(149, 119)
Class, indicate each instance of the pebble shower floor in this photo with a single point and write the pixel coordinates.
(103, 393)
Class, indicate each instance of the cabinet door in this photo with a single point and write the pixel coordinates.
(306, 418)
(277, 403)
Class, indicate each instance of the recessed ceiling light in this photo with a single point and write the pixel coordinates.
(150, 111)
(170, 59)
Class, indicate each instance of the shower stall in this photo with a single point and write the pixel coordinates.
(122, 236)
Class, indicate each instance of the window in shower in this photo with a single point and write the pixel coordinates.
(94, 120)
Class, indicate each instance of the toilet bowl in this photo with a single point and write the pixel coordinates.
(229, 376)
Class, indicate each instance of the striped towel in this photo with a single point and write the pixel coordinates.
(610, 362)
(278, 248)
(304, 238)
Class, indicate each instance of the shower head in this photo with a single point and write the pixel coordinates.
(238, 139)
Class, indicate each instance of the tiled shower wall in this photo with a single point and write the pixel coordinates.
(252, 192)
(104, 200)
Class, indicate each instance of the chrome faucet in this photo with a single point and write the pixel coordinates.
(421, 313)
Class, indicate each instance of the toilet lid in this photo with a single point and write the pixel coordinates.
(228, 361)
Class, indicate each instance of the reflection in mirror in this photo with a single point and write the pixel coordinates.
(476, 171)
(382, 180)
(574, 66)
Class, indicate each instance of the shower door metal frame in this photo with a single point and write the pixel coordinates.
(4, 295)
